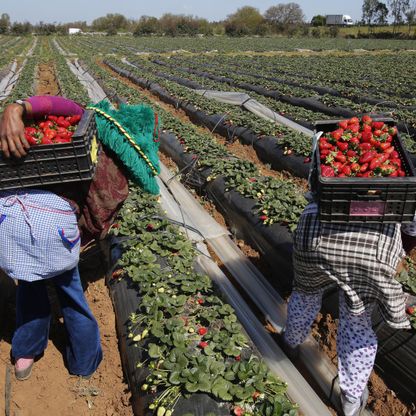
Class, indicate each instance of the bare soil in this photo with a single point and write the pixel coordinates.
(51, 390)
(47, 83)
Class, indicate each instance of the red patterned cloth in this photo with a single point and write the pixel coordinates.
(107, 192)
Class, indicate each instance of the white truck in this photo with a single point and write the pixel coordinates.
(339, 20)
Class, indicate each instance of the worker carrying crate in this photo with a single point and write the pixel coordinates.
(64, 174)
(362, 185)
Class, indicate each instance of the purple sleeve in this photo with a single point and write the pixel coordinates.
(43, 105)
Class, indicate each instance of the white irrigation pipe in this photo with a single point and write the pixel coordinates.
(256, 286)
(9, 81)
(95, 92)
(252, 105)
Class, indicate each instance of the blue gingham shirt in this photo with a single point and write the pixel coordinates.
(39, 236)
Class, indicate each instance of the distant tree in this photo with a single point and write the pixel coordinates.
(318, 20)
(180, 25)
(111, 31)
(4, 23)
(374, 11)
(382, 13)
(410, 15)
(217, 28)
(147, 25)
(285, 14)
(110, 22)
(316, 32)
(233, 28)
(369, 10)
(397, 10)
(304, 30)
(46, 29)
(245, 21)
(21, 28)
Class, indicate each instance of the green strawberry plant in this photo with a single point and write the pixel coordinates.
(192, 338)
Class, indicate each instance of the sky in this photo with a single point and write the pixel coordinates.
(63, 11)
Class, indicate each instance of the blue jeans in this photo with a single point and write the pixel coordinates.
(33, 314)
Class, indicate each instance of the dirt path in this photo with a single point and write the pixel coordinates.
(51, 390)
(47, 83)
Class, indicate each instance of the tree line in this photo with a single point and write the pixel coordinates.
(283, 18)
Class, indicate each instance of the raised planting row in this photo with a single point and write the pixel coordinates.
(406, 118)
(13, 48)
(193, 356)
(234, 45)
(192, 77)
(352, 76)
(323, 102)
(270, 149)
(69, 83)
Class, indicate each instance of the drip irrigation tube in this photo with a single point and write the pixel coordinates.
(10, 80)
(95, 92)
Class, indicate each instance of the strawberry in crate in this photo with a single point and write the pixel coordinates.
(360, 148)
(53, 130)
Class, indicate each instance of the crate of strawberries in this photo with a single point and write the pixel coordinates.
(62, 149)
(363, 173)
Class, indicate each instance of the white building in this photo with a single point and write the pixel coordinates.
(74, 30)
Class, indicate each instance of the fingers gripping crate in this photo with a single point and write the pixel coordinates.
(366, 200)
(55, 163)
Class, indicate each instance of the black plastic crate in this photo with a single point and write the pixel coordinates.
(366, 200)
(55, 163)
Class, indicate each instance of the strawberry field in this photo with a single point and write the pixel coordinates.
(180, 339)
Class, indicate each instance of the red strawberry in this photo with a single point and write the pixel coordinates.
(355, 128)
(366, 119)
(238, 411)
(343, 146)
(353, 120)
(336, 134)
(378, 125)
(203, 344)
(327, 171)
(392, 131)
(343, 124)
(202, 331)
(367, 156)
(340, 157)
(346, 170)
(366, 136)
